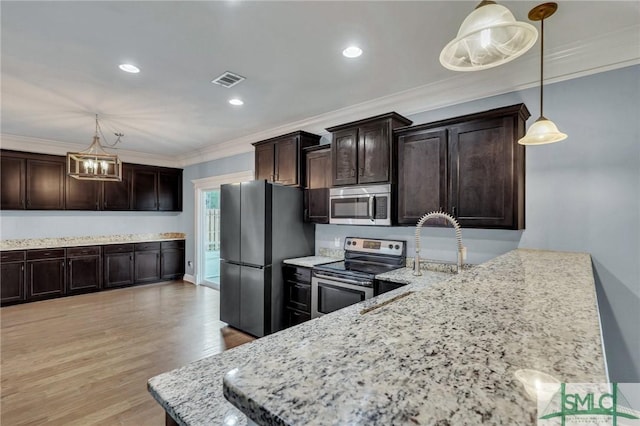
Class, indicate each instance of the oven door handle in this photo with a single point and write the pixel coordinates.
(327, 277)
(372, 205)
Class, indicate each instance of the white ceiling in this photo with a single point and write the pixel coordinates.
(60, 66)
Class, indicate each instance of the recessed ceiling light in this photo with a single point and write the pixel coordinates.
(352, 52)
(236, 101)
(129, 68)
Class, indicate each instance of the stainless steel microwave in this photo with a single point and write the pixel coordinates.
(360, 205)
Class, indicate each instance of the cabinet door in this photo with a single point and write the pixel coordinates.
(145, 190)
(45, 184)
(81, 194)
(12, 287)
(319, 169)
(147, 266)
(230, 293)
(481, 164)
(118, 269)
(286, 165)
(117, 195)
(265, 162)
(422, 174)
(344, 150)
(170, 190)
(12, 183)
(295, 317)
(317, 205)
(84, 273)
(172, 263)
(45, 278)
(374, 153)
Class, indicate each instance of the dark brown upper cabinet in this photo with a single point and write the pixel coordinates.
(39, 182)
(157, 189)
(471, 167)
(117, 195)
(362, 151)
(81, 194)
(280, 159)
(12, 181)
(318, 159)
(45, 183)
(422, 174)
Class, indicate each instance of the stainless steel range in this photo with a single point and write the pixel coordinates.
(340, 284)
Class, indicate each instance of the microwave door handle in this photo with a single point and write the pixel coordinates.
(372, 206)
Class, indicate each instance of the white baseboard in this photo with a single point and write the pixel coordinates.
(189, 278)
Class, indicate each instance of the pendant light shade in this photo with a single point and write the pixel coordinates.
(488, 37)
(543, 131)
(94, 163)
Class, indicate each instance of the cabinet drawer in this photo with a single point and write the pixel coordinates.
(172, 244)
(147, 246)
(44, 254)
(297, 273)
(295, 317)
(12, 256)
(118, 248)
(83, 251)
(298, 296)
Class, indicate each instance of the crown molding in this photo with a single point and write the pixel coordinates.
(54, 147)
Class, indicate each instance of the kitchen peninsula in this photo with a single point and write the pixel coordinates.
(445, 350)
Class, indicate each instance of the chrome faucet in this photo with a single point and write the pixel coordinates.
(456, 225)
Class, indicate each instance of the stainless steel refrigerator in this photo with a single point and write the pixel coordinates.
(261, 224)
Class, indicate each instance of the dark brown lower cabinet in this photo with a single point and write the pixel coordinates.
(147, 262)
(29, 275)
(46, 273)
(118, 265)
(297, 287)
(171, 260)
(12, 272)
(84, 269)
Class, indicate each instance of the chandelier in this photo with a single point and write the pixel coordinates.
(94, 163)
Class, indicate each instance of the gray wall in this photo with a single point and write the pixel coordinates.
(583, 194)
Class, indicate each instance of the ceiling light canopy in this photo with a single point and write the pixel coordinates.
(129, 68)
(236, 101)
(543, 131)
(488, 37)
(94, 163)
(352, 52)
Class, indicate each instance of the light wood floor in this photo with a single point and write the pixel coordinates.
(85, 360)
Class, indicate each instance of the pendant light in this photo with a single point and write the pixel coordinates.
(488, 37)
(94, 163)
(543, 131)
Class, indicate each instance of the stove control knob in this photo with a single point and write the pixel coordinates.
(397, 247)
(390, 246)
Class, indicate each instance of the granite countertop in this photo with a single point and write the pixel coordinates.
(44, 243)
(440, 352)
(405, 276)
(310, 261)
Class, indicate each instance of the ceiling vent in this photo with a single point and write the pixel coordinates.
(228, 79)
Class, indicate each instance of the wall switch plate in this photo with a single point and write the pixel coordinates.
(337, 242)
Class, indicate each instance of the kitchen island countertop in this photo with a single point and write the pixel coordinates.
(447, 351)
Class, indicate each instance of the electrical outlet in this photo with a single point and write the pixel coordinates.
(337, 242)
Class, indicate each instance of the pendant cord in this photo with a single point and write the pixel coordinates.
(541, 64)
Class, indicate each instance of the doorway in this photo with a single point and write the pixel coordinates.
(207, 225)
(212, 238)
